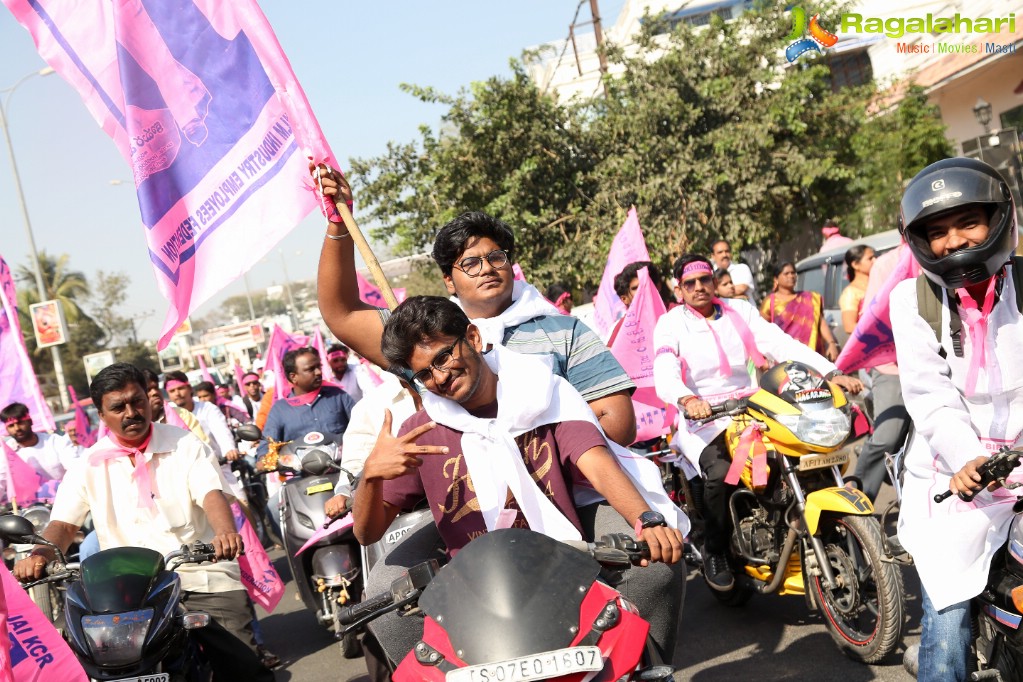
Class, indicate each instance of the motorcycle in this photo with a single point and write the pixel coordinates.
(796, 528)
(329, 573)
(514, 604)
(123, 615)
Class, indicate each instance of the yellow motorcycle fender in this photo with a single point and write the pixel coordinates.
(841, 500)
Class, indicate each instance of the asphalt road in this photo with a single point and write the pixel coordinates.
(770, 638)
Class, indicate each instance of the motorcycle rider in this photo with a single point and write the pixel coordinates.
(962, 391)
(702, 351)
(492, 457)
(253, 393)
(350, 377)
(183, 504)
(209, 415)
(50, 454)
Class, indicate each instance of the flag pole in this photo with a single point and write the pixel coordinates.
(367, 254)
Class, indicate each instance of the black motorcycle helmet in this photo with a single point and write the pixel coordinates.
(949, 185)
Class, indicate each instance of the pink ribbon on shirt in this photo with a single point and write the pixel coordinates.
(748, 342)
(976, 323)
(141, 474)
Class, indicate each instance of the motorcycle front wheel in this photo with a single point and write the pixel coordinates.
(865, 611)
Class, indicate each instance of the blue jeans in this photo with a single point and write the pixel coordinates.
(944, 642)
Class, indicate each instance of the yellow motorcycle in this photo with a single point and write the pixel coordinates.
(796, 528)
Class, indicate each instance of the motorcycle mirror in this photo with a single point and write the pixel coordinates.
(18, 529)
(249, 432)
(316, 462)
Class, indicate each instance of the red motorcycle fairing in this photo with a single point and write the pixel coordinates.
(621, 645)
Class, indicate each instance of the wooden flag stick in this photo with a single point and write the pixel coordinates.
(367, 254)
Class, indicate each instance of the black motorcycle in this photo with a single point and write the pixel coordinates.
(123, 611)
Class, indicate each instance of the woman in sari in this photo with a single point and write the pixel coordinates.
(800, 314)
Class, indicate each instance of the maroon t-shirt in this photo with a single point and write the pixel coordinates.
(550, 453)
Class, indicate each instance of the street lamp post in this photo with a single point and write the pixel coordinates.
(58, 367)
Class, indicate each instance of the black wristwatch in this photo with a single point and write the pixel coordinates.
(649, 519)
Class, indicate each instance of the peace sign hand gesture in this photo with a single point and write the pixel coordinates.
(393, 457)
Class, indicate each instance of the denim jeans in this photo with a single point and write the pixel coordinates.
(944, 642)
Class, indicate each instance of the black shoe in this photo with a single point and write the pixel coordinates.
(267, 658)
(717, 572)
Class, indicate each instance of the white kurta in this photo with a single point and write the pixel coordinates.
(683, 337)
(952, 543)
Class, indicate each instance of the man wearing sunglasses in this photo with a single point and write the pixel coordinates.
(702, 351)
(501, 442)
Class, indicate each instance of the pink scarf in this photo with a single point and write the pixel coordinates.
(305, 399)
(976, 320)
(141, 473)
(724, 366)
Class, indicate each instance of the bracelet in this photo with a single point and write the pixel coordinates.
(336, 238)
(688, 399)
(832, 343)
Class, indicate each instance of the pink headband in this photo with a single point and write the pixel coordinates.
(17, 420)
(829, 231)
(697, 266)
(337, 354)
(174, 383)
(564, 297)
(249, 378)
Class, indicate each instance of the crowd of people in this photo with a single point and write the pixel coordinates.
(502, 410)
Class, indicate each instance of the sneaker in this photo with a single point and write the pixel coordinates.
(717, 572)
(911, 660)
(267, 658)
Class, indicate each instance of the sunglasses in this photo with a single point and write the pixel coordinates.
(706, 281)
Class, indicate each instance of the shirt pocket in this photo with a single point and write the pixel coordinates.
(172, 516)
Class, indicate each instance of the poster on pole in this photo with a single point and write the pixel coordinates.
(94, 362)
(48, 323)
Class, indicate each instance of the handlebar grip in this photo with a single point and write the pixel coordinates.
(350, 614)
(965, 497)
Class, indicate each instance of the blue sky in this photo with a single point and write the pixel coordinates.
(349, 56)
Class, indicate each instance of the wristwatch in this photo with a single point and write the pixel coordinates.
(649, 519)
(833, 373)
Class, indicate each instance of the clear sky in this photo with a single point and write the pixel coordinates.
(349, 56)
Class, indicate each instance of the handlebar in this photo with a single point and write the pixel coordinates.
(197, 553)
(617, 550)
(730, 407)
(996, 469)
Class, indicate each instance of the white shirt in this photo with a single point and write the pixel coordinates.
(953, 542)
(50, 457)
(741, 274)
(355, 382)
(182, 474)
(215, 425)
(366, 421)
(684, 336)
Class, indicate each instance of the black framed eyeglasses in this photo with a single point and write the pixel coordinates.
(706, 281)
(473, 265)
(441, 362)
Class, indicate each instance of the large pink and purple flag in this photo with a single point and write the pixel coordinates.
(633, 348)
(370, 293)
(18, 383)
(35, 651)
(628, 247)
(871, 342)
(201, 101)
(84, 432)
(22, 480)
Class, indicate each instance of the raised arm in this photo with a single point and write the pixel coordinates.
(356, 323)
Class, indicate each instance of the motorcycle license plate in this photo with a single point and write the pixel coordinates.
(155, 677)
(321, 488)
(536, 667)
(808, 462)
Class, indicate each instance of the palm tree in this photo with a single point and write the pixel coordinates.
(63, 284)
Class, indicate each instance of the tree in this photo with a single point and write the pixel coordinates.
(68, 286)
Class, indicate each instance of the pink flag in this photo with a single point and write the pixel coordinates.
(369, 293)
(83, 427)
(627, 247)
(238, 374)
(6, 674)
(259, 576)
(337, 525)
(871, 342)
(517, 270)
(22, 479)
(318, 344)
(280, 343)
(37, 652)
(205, 370)
(18, 382)
(633, 347)
(201, 101)
(400, 294)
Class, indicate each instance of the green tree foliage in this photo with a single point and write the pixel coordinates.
(68, 286)
(707, 131)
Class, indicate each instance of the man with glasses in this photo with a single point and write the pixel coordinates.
(501, 443)
(702, 351)
(253, 393)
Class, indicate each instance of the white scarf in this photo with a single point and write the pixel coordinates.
(527, 304)
(530, 395)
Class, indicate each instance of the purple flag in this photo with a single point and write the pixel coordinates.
(201, 101)
(18, 382)
(627, 247)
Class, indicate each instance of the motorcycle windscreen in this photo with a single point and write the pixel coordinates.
(119, 579)
(510, 593)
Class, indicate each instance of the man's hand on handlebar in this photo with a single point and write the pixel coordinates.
(665, 545)
(967, 479)
(227, 546)
(32, 567)
(336, 506)
(850, 385)
(697, 409)
(232, 455)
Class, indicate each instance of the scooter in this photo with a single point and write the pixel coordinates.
(514, 604)
(123, 612)
(328, 572)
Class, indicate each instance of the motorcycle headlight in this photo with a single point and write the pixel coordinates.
(116, 639)
(824, 428)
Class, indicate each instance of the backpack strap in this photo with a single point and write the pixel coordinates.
(930, 301)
